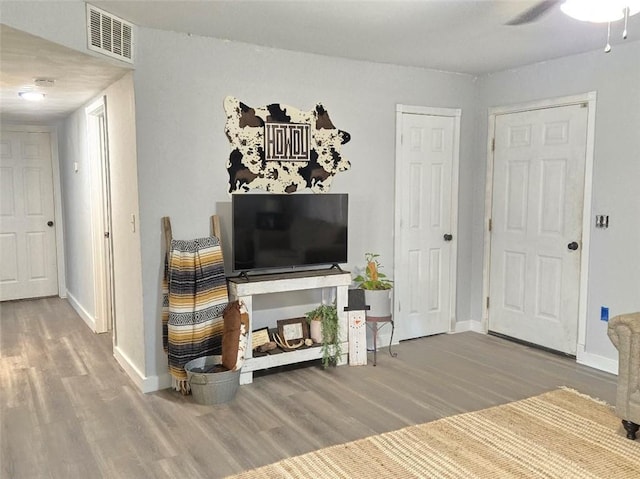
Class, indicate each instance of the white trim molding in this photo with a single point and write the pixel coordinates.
(83, 313)
(596, 361)
(57, 204)
(95, 114)
(146, 384)
(470, 325)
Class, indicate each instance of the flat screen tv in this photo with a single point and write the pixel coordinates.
(281, 231)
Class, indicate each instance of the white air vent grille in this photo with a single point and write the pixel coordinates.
(109, 34)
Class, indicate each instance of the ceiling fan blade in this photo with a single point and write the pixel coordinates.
(532, 14)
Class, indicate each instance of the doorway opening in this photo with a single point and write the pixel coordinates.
(96, 115)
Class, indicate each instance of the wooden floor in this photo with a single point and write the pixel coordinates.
(67, 410)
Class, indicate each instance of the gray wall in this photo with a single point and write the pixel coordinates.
(180, 84)
(127, 269)
(614, 274)
(62, 22)
(76, 204)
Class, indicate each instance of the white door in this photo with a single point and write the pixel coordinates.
(104, 290)
(425, 240)
(27, 234)
(538, 187)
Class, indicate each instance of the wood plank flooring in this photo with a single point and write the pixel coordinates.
(67, 410)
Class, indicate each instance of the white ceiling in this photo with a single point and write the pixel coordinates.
(78, 77)
(452, 35)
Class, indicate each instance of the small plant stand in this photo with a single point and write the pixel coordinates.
(375, 323)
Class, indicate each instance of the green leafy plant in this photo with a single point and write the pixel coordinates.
(327, 314)
(373, 278)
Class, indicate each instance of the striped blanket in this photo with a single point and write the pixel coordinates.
(194, 298)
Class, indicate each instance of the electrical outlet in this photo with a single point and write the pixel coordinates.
(604, 313)
(602, 221)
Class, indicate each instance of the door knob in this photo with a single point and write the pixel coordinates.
(572, 246)
(448, 237)
(49, 223)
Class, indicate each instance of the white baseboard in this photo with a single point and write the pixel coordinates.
(156, 383)
(582, 357)
(132, 371)
(470, 325)
(595, 361)
(83, 313)
(146, 384)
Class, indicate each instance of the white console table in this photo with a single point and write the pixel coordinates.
(244, 289)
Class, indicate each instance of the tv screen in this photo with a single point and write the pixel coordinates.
(273, 231)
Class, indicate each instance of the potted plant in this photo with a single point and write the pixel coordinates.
(325, 319)
(376, 285)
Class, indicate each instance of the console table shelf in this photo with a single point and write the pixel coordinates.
(244, 289)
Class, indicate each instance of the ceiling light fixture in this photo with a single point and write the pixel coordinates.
(602, 11)
(44, 82)
(32, 95)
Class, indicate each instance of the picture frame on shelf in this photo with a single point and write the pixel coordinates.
(294, 329)
(259, 337)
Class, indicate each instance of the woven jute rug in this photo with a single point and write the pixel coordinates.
(560, 434)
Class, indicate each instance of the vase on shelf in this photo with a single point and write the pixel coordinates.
(315, 330)
(379, 302)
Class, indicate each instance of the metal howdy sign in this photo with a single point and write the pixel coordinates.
(286, 141)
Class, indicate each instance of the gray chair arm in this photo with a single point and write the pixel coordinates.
(622, 325)
(624, 332)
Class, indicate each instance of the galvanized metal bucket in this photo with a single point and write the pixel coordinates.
(211, 387)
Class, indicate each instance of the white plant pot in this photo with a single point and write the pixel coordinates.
(315, 331)
(379, 302)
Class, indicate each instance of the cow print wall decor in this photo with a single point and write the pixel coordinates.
(281, 149)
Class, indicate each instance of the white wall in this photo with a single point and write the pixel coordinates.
(180, 84)
(64, 23)
(76, 191)
(125, 231)
(614, 274)
(76, 188)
